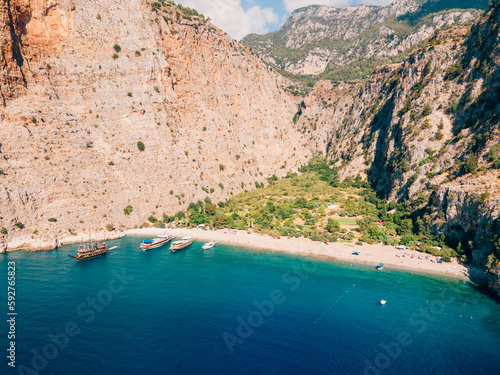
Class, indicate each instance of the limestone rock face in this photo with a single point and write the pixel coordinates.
(44, 22)
(83, 82)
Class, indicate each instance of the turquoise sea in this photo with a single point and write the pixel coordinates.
(232, 310)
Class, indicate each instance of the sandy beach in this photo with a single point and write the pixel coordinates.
(369, 254)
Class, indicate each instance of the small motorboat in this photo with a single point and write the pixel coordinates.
(383, 302)
(380, 267)
(209, 245)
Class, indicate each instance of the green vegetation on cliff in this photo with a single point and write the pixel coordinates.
(315, 205)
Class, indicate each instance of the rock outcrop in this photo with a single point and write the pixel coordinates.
(83, 82)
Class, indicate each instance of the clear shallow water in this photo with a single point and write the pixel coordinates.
(181, 313)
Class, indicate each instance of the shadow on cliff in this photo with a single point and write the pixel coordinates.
(16, 41)
(379, 175)
(480, 285)
(431, 7)
(480, 113)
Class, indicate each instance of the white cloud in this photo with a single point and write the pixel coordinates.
(230, 16)
(291, 5)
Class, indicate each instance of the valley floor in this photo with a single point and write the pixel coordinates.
(369, 254)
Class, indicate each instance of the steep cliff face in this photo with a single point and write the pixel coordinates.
(84, 82)
(28, 28)
(406, 126)
(426, 130)
(321, 40)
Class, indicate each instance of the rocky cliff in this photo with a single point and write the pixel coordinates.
(345, 43)
(107, 104)
(427, 132)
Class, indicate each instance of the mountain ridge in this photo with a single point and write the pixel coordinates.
(344, 43)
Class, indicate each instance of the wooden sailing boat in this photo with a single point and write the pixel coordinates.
(91, 250)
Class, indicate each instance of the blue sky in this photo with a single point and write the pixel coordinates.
(241, 17)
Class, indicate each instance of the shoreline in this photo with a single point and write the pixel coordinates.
(370, 255)
(341, 252)
(32, 245)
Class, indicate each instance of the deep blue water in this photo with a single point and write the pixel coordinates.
(181, 313)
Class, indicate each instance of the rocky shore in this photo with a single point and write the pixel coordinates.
(32, 244)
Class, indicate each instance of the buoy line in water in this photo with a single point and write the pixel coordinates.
(333, 304)
(347, 291)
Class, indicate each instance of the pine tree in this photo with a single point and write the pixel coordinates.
(471, 164)
(427, 110)
(427, 68)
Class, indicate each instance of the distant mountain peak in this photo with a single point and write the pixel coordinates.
(345, 43)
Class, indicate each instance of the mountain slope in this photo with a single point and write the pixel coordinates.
(83, 82)
(426, 132)
(346, 43)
